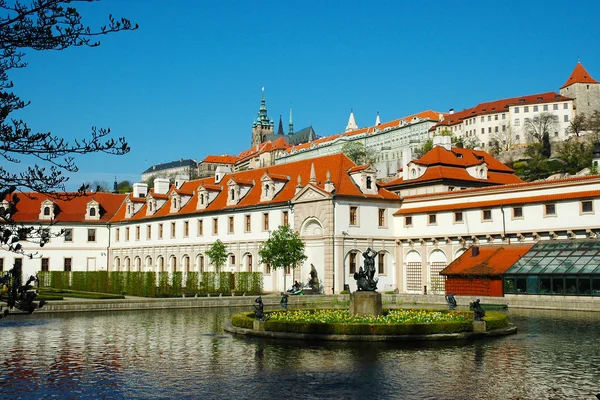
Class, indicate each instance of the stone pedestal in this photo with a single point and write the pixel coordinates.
(479, 326)
(365, 303)
(258, 325)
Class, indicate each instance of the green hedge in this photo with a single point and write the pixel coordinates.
(494, 321)
(151, 284)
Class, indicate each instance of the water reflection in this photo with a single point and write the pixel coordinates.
(186, 354)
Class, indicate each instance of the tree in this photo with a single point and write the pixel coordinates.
(593, 124)
(124, 187)
(577, 125)
(283, 249)
(540, 125)
(98, 186)
(575, 155)
(357, 152)
(42, 25)
(217, 254)
(421, 151)
(502, 140)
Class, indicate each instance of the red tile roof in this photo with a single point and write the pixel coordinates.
(579, 75)
(224, 159)
(491, 261)
(496, 106)
(67, 208)
(336, 164)
(502, 201)
(508, 186)
(268, 146)
(451, 165)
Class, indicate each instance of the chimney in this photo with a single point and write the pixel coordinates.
(220, 172)
(140, 190)
(451, 111)
(161, 185)
(180, 180)
(475, 251)
(442, 141)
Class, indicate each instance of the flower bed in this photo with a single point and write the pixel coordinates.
(392, 322)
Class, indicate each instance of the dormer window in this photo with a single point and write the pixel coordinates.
(267, 190)
(47, 210)
(175, 202)
(369, 182)
(150, 206)
(92, 210)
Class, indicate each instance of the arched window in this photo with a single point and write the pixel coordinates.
(232, 194)
(267, 190)
(368, 182)
(202, 198)
(46, 210)
(150, 206)
(92, 212)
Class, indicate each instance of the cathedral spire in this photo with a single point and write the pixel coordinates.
(291, 124)
(280, 129)
(351, 122)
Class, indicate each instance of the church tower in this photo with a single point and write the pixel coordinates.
(584, 89)
(262, 126)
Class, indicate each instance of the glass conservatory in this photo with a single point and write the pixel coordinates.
(559, 267)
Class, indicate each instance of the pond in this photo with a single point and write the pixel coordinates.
(186, 354)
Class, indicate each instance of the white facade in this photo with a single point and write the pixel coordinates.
(509, 119)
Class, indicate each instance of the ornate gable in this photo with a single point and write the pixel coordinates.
(92, 211)
(47, 211)
(310, 193)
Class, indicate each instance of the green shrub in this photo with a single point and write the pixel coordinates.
(243, 320)
(345, 292)
(495, 320)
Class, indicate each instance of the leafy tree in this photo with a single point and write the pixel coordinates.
(357, 152)
(546, 148)
(217, 254)
(124, 187)
(575, 155)
(283, 249)
(42, 25)
(420, 152)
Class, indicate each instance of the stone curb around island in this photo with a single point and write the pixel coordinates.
(509, 330)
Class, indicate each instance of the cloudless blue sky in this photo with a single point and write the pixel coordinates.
(188, 83)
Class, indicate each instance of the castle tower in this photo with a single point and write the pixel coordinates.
(584, 89)
(262, 126)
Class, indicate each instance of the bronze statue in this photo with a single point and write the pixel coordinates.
(451, 301)
(478, 311)
(259, 309)
(284, 300)
(365, 278)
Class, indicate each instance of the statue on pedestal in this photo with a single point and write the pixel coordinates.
(365, 278)
(478, 311)
(259, 309)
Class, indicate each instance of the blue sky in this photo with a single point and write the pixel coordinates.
(188, 83)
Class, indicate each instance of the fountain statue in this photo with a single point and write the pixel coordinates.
(365, 278)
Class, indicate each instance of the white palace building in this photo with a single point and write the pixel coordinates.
(438, 207)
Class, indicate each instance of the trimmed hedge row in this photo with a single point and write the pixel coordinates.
(152, 284)
(494, 321)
